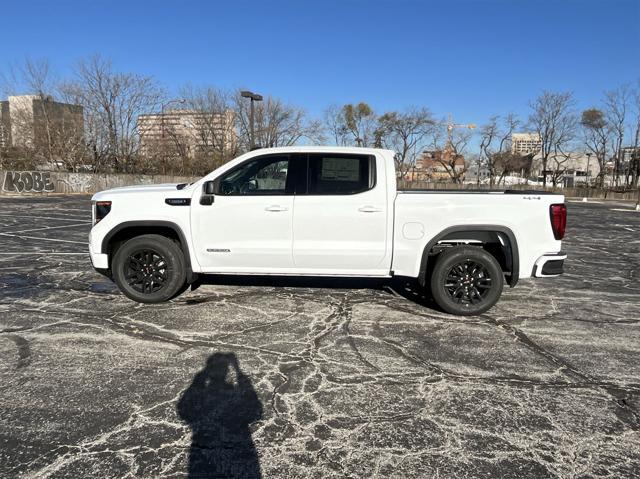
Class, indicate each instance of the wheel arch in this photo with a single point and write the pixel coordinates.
(130, 229)
(508, 245)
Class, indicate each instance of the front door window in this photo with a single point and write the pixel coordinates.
(263, 176)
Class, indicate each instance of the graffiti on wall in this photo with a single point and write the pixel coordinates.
(78, 182)
(27, 181)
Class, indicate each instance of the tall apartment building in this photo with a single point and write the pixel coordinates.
(525, 143)
(186, 131)
(35, 122)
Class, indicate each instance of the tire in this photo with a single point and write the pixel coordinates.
(466, 281)
(138, 281)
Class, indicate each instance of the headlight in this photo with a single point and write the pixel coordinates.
(100, 210)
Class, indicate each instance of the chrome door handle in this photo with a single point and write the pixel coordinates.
(276, 208)
(369, 209)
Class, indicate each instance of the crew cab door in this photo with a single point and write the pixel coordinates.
(248, 226)
(340, 221)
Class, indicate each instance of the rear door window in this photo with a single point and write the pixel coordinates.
(340, 174)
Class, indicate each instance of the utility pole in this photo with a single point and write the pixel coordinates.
(253, 97)
(588, 160)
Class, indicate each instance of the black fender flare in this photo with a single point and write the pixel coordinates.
(104, 247)
(511, 249)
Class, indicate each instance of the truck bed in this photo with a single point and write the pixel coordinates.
(420, 215)
(474, 192)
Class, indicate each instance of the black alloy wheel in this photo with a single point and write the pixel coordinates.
(466, 280)
(150, 268)
(146, 271)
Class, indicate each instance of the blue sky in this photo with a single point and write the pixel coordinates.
(471, 58)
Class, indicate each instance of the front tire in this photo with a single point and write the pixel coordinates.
(466, 281)
(149, 269)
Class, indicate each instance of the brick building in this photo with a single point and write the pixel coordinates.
(437, 165)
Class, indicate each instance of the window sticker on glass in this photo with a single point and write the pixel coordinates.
(340, 169)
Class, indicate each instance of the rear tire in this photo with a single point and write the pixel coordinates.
(466, 281)
(149, 269)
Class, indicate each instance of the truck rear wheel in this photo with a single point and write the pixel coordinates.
(149, 269)
(466, 281)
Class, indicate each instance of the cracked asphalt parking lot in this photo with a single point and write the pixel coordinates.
(315, 379)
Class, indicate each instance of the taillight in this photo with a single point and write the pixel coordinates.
(558, 214)
(102, 209)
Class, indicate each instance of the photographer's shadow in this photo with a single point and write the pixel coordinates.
(219, 412)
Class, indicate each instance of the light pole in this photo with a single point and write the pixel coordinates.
(253, 97)
(588, 160)
(164, 150)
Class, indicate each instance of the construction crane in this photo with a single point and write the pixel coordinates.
(451, 126)
(448, 149)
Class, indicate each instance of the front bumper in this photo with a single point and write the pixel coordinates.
(100, 263)
(99, 260)
(550, 264)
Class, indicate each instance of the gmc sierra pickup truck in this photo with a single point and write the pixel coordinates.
(325, 211)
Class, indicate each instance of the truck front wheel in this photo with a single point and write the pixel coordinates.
(466, 281)
(149, 269)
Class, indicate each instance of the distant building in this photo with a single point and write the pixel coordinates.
(186, 132)
(5, 125)
(629, 154)
(436, 165)
(571, 169)
(31, 121)
(525, 143)
(476, 174)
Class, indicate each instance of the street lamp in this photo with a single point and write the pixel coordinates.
(164, 150)
(588, 160)
(253, 97)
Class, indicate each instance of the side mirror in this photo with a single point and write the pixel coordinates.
(208, 188)
(207, 197)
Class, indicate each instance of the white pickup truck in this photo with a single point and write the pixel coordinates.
(325, 211)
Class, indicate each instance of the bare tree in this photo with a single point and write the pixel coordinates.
(635, 152)
(30, 76)
(596, 132)
(360, 121)
(495, 140)
(214, 127)
(336, 125)
(558, 162)
(45, 130)
(616, 108)
(405, 133)
(276, 123)
(351, 124)
(505, 162)
(112, 102)
(553, 119)
(450, 149)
